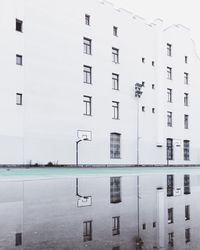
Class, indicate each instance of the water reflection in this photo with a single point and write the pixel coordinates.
(147, 211)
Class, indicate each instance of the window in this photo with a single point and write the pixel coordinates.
(187, 212)
(19, 25)
(169, 49)
(115, 145)
(143, 84)
(170, 185)
(153, 110)
(115, 189)
(170, 149)
(154, 224)
(87, 19)
(186, 184)
(186, 59)
(19, 99)
(170, 215)
(116, 248)
(153, 86)
(186, 78)
(169, 95)
(115, 225)
(186, 149)
(186, 121)
(18, 239)
(88, 105)
(169, 73)
(115, 81)
(18, 59)
(143, 60)
(87, 74)
(115, 31)
(115, 55)
(186, 97)
(153, 63)
(87, 46)
(187, 235)
(87, 231)
(170, 239)
(144, 226)
(169, 119)
(143, 108)
(115, 106)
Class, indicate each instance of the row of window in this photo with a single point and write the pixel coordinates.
(169, 52)
(170, 149)
(185, 75)
(170, 97)
(171, 237)
(169, 120)
(171, 214)
(170, 184)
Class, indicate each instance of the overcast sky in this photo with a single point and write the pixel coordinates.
(185, 12)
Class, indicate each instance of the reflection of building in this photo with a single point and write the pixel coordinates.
(47, 214)
(76, 69)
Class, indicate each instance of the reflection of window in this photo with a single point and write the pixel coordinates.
(115, 145)
(187, 212)
(170, 149)
(170, 216)
(187, 235)
(170, 184)
(116, 225)
(170, 239)
(186, 184)
(87, 231)
(186, 149)
(18, 239)
(115, 189)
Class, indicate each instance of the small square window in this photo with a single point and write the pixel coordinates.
(19, 99)
(19, 25)
(18, 59)
(87, 19)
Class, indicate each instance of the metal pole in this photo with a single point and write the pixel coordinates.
(77, 153)
(138, 205)
(138, 138)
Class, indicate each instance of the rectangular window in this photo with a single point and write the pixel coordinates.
(144, 226)
(115, 31)
(154, 224)
(88, 105)
(116, 225)
(186, 59)
(115, 189)
(115, 81)
(169, 49)
(187, 235)
(18, 239)
(87, 46)
(87, 230)
(169, 95)
(186, 99)
(143, 60)
(115, 106)
(19, 99)
(18, 59)
(115, 55)
(170, 185)
(186, 149)
(170, 239)
(19, 25)
(186, 121)
(186, 78)
(187, 212)
(170, 215)
(116, 248)
(87, 19)
(169, 73)
(170, 149)
(115, 139)
(87, 74)
(186, 184)
(169, 119)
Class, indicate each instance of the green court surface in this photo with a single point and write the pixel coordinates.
(43, 173)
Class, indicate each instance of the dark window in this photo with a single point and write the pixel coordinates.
(87, 231)
(115, 55)
(153, 110)
(186, 78)
(116, 225)
(144, 226)
(115, 31)
(170, 149)
(186, 184)
(19, 99)
(170, 215)
(169, 49)
(170, 239)
(87, 46)
(186, 150)
(187, 235)
(187, 212)
(186, 59)
(169, 119)
(18, 239)
(169, 73)
(115, 81)
(18, 59)
(153, 86)
(19, 25)
(153, 63)
(115, 189)
(154, 224)
(186, 98)
(116, 248)
(87, 74)
(88, 105)
(143, 60)
(186, 121)
(170, 185)
(115, 139)
(169, 95)
(115, 106)
(143, 108)
(87, 19)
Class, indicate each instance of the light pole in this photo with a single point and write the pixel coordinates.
(77, 152)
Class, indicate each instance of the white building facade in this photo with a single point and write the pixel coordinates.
(69, 68)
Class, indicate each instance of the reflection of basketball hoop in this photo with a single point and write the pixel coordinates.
(84, 134)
